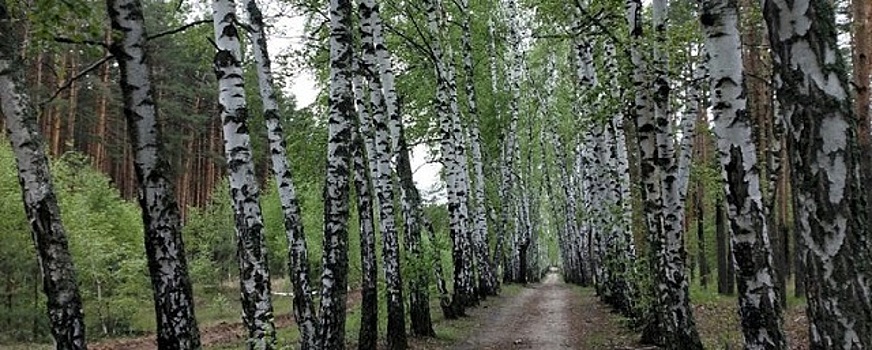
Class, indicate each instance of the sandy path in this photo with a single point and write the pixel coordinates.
(540, 317)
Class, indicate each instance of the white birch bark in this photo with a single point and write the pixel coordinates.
(331, 332)
(298, 254)
(759, 307)
(368, 335)
(172, 291)
(64, 303)
(480, 229)
(254, 277)
(814, 97)
(453, 156)
(384, 189)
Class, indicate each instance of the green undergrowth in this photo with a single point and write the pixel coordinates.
(717, 317)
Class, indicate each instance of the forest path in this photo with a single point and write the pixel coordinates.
(548, 315)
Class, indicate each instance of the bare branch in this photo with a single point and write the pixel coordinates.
(78, 76)
(66, 40)
(179, 29)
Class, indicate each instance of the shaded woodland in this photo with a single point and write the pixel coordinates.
(661, 154)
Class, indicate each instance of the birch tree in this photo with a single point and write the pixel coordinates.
(670, 321)
(381, 68)
(298, 254)
(759, 306)
(254, 277)
(510, 137)
(165, 250)
(368, 335)
(64, 303)
(414, 223)
(452, 156)
(378, 121)
(334, 279)
(812, 89)
(480, 230)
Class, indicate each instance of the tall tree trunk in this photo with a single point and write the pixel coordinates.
(381, 58)
(365, 164)
(173, 294)
(759, 306)
(55, 119)
(334, 278)
(379, 121)
(419, 297)
(486, 278)
(452, 155)
(98, 148)
(254, 277)
(862, 67)
(64, 304)
(670, 321)
(862, 63)
(368, 335)
(72, 107)
(813, 93)
(627, 289)
(298, 253)
(723, 253)
(700, 236)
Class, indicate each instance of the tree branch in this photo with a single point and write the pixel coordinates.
(179, 29)
(426, 50)
(65, 40)
(110, 56)
(78, 76)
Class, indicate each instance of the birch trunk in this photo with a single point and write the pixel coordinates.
(363, 146)
(480, 230)
(254, 277)
(419, 284)
(64, 304)
(418, 291)
(298, 254)
(812, 89)
(446, 109)
(165, 250)
(759, 306)
(368, 336)
(383, 187)
(628, 288)
(334, 278)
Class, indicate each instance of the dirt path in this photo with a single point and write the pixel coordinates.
(549, 315)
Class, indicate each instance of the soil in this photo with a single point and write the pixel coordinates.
(212, 335)
(548, 315)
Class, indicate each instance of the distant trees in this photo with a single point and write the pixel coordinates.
(575, 148)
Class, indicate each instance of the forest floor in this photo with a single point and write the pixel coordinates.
(547, 315)
(556, 315)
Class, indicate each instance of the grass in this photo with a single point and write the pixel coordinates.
(717, 318)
